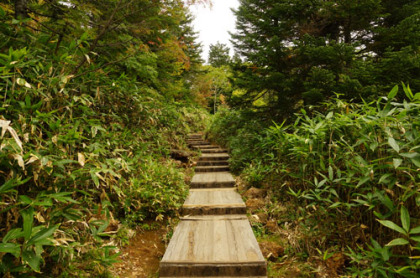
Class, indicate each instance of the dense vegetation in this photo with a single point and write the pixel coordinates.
(319, 117)
(306, 50)
(349, 175)
(95, 94)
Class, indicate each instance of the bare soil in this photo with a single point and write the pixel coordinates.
(141, 257)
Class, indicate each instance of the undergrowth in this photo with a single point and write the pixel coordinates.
(349, 175)
(86, 136)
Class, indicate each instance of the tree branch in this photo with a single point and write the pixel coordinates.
(99, 36)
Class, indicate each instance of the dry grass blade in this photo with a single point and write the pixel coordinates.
(5, 125)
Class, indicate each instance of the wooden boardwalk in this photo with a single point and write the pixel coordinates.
(214, 237)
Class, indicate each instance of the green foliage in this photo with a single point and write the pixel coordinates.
(219, 55)
(212, 87)
(352, 168)
(300, 53)
(88, 117)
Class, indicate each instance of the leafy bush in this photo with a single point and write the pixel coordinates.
(354, 172)
(84, 138)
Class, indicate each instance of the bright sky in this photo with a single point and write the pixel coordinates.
(213, 24)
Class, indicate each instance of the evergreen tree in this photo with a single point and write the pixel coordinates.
(307, 50)
(219, 55)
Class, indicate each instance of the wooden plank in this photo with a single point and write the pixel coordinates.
(213, 151)
(214, 237)
(213, 202)
(212, 180)
(213, 197)
(213, 156)
(201, 169)
(206, 147)
(212, 163)
(213, 247)
(199, 137)
(216, 276)
(213, 270)
(212, 189)
(214, 217)
(214, 209)
(198, 143)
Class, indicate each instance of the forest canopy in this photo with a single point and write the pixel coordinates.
(307, 51)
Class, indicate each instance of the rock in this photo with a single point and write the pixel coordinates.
(255, 193)
(271, 250)
(255, 203)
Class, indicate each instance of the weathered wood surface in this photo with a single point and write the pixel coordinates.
(213, 202)
(212, 180)
(213, 156)
(212, 196)
(206, 147)
(198, 143)
(213, 163)
(195, 135)
(214, 237)
(213, 247)
(213, 151)
(223, 168)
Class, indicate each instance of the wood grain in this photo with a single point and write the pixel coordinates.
(212, 180)
(214, 237)
(213, 202)
(223, 246)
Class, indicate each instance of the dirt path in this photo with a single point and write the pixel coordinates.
(140, 258)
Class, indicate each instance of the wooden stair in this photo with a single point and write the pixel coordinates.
(212, 163)
(206, 147)
(212, 168)
(214, 237)
(213, 151)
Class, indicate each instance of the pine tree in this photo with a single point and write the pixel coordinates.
(307, 50)
(219, 55)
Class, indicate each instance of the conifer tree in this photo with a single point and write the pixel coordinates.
(308, 50)
(219, 55)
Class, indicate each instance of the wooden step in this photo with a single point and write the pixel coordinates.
(213, 156)
(201, 169)
(212, 180)
(192, 140)
(206, 147)
(213, 151)
(213, 163)
(195, 135)
(217, 277)
(213, 246)
(197, 143)
(213, 202)
(195, 138)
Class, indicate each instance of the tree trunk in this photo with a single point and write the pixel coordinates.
(347, 31)
(21, 8)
